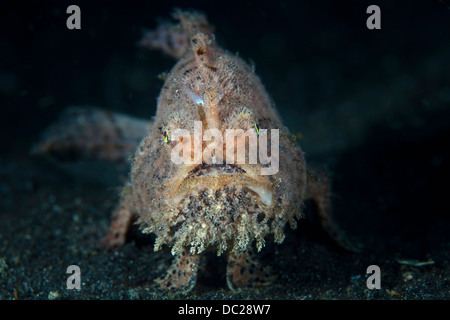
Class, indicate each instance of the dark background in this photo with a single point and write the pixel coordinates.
(372, 106)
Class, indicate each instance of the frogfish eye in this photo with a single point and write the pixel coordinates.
(257, 128)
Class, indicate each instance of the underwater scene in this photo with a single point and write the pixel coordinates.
(206, 150)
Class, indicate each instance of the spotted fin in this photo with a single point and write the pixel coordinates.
(182, 274)
(122, 218)
(92, 132)
(244, 270)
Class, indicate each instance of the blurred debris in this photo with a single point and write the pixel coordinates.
(415, 263)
